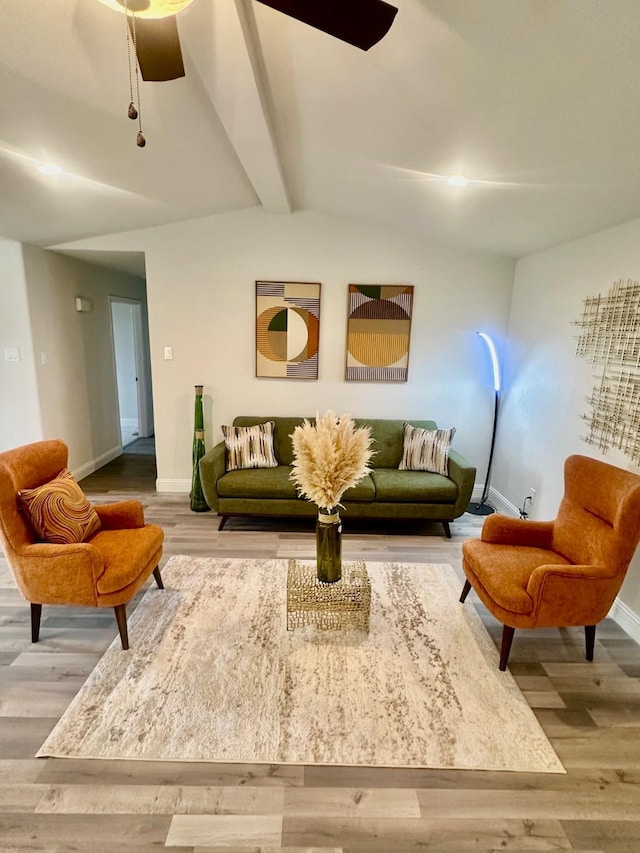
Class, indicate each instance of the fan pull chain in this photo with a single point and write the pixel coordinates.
(134, 112)
(140, 140)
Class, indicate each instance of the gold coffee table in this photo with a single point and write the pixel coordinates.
(343, 604)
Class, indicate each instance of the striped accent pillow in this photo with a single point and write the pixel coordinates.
(250, 447)
(59, 511)
(426, 449)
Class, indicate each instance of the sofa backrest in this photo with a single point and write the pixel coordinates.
(598, 521)
(387, 433)
(25, 467)
(283, 427)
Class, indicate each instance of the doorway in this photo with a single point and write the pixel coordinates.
(133, 377)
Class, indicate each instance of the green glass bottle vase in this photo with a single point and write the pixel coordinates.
(198, 503)
(328, 546)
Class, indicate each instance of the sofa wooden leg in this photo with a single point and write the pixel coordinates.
(507, 639)
(447, 529)
(465, 590)
(36, 613)
(121, 619)
(590, 640)
(158, 577)
(223, 521)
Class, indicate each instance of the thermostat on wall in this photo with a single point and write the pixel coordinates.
(83, 304)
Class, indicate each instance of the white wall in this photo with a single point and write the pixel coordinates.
(76, 385)
(201, 295)
(540, 423)
(20, 418)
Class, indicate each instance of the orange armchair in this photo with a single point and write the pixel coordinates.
(561, 573)
(104, 571)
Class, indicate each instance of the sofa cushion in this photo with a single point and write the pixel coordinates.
(250, 446)
(426, 449)
(59, 511)
(274, 483)
(126, 553)
(505, 570)
(394, 486)
(267, 483)
(364, 490)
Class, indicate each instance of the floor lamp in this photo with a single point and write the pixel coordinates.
(482, 507)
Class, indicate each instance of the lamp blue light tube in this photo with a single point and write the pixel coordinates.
(482, 507)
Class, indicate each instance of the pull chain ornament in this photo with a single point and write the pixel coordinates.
(134, 112)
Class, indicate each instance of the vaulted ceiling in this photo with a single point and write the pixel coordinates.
(534, 101)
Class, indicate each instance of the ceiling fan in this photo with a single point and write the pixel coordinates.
(361, 23)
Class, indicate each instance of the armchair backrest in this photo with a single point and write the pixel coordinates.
(598, 522)
(25, 468)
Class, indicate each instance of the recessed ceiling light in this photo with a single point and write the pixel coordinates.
(50, 169)
(457, 181)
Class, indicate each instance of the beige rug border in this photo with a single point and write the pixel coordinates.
(475, 620)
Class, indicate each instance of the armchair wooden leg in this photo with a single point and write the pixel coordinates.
(223, 521)
(121, 619)
(447, 529)
(590, 640)
(36, 613)
(507, 639)
(465, 590)
(158, 577)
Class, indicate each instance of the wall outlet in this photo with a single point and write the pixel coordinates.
(532, 494)
(168, 353)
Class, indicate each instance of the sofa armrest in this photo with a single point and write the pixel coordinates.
(58, 574)
(504, 530)
(212, 467)
(463, 475)
(541, 575)
(121, 515)
(572, 595)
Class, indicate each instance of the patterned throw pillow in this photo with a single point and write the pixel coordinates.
(59, 512)
(426, 449)
(250, 447)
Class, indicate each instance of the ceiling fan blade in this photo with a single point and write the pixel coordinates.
(361, 23)
(158, 48)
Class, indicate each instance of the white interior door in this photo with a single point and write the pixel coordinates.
(132, 378)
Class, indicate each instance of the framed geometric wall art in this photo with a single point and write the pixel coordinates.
(287, 329)
(378, 332)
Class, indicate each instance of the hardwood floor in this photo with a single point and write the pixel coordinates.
(591, 713)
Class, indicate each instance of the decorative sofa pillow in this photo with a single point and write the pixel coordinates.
(250, 447)
(59, 511)
(426, 449)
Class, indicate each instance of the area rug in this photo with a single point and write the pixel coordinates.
(213, 675)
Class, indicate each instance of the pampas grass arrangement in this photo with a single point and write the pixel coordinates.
(330, 456)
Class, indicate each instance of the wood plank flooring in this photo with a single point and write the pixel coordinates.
(591, 713)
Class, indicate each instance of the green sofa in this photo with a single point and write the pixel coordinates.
(386, 493)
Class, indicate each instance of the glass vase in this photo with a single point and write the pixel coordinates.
(197, 501)
(329, 547)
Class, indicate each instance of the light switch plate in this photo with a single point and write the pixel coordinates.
(11, 354)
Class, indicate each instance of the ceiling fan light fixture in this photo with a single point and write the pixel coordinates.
(50, 169)
(149, 8)
(457, 181)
